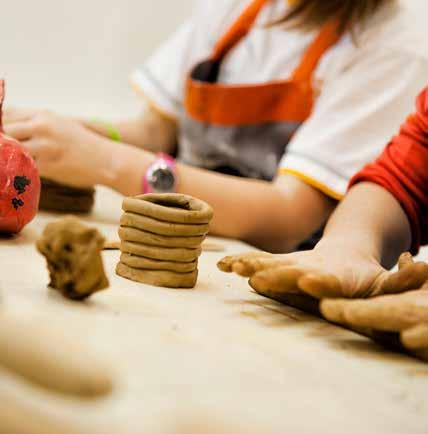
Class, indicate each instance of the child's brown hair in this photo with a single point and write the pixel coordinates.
(313, 13)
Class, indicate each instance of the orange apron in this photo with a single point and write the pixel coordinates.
(244, 129)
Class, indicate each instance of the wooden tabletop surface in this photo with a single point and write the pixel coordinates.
(217, 359)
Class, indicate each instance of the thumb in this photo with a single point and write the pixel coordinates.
(415, 338)
(405, 260)
(411, 275)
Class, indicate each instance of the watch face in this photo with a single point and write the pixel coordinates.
(162, 180)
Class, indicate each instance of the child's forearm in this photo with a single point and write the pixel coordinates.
(150, 130)
(273, 216)
(370, 222)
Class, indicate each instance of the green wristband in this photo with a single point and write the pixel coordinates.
(112, 132)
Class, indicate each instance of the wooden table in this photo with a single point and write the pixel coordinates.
(219, 358)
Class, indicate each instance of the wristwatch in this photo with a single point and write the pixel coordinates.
(161, 176)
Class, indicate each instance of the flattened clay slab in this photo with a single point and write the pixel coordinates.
(167, 279)
(170, 207)
(154, 264)
(62, 198)
(161, 227)
(176, 254)
(139, 236)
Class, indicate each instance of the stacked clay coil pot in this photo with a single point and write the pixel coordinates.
(161, 237)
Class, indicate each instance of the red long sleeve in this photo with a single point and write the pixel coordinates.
(402, 169)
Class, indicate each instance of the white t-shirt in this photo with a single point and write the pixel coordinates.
(367, 83)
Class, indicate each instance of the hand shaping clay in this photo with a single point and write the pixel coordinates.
(44, 355)
(176, 254)
(162, 227)
(62, 198)
(168, 279)
(154, 264)
(73, 254)
(173, 208)
(139, 236)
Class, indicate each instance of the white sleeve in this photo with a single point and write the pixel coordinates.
(355, 116)
(162, 77)
(161, 80)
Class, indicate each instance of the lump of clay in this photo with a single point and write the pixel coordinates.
(73, 254)
(46, 355)
(62, 198)
(161, 237)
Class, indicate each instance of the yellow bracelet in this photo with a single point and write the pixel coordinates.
(112, 132)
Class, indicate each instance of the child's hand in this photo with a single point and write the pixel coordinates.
(64, 150)
(325, 272)
(405, 313)
(12, 115)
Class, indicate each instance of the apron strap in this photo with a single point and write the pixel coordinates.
(238, 30)
(328, 36)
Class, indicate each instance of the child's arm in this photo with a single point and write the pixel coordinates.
(402, 170)
(383, 215)
(370, 222)
(151, 130)
(275, 216)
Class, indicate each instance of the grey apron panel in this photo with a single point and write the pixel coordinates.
(254, 151)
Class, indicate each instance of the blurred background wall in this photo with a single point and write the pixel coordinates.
(76, 56)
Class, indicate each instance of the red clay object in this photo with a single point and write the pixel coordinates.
(19, 182)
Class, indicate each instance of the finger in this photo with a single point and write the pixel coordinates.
(415, 338)
(14, 114)
(357, 313)
(20, 130)
(364, 313)
(248, 267)
(389, 312)
(281, 279)
(334, 310)
(405, 260)
(38, 149)
(410, 276)
(321, 285)
(227, 263)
